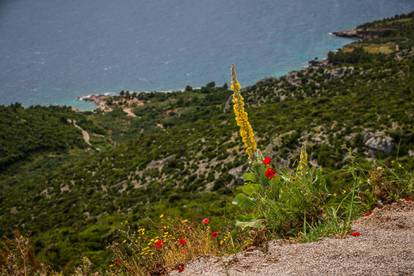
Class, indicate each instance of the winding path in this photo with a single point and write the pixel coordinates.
(85, 134)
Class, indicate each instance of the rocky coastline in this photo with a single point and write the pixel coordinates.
(364, 33)
(127, 100)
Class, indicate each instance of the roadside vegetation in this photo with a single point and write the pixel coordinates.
(335, 140)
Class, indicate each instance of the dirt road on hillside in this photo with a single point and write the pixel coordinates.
(385, 247)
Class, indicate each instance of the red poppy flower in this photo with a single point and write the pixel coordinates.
(367, 214)
(158, 244)
(270, 173)
(180, 268)
(117, 261)
(267, 160)
(214, 234)
(205, 221)
(355, 234)
(182, 241)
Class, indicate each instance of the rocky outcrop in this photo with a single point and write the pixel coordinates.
(378, 142)
(362, 33)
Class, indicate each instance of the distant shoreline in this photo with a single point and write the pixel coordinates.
(100, 99)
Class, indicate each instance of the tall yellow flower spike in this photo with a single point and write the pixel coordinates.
(242, 120)
(303, 162)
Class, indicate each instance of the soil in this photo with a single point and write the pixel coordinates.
(385, 247)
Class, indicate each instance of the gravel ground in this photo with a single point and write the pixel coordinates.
(385, 247)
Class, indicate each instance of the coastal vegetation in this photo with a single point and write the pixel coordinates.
(334, 139)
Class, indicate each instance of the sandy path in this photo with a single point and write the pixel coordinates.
(385, 247)
(85, 134)
(129, 112)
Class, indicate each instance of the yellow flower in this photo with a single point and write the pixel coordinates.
(141, 231)
(303, 163)
(242, 120)
(162, 215)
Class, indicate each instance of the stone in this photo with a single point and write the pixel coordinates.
(378, 142)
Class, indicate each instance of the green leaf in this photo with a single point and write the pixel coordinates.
(243, 201)
(250, 189)
(254, 223)
(249, 177)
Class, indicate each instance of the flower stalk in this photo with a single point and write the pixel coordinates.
(242, 120)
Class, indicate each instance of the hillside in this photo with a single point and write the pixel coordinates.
(181, 153)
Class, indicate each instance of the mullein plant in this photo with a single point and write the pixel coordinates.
(275, 201)
(242, 119)
(284, 202)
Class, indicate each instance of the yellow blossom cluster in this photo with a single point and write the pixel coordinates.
(226, 237)
(146, 251)
(303, 161)
(141, 231)
(242, 120)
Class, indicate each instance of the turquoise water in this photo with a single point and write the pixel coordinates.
(55, 50)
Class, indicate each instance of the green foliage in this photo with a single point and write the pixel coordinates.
(25, 131)
(312, 203)
(285, 200)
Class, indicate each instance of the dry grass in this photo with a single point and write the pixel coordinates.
(384, 48)
(17, 258)
(173, 245)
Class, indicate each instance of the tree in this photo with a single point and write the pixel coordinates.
(211, 84)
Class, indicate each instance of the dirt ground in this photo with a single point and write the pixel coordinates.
(385, 247)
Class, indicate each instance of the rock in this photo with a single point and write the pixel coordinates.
(228, 105)
(13, 211)
(378, 142)
(237, 173)
(157, 164)
(363, 33)
(64, 188)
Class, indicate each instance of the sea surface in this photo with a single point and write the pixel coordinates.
(52, 51)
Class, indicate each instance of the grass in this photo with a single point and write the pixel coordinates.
(382, 48)
(304, 204)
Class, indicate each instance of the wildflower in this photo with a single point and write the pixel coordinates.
(214, 234)
(184, 221)
(270, 173)
(355, 234)
(158, 244)
(161, 216)
(367, 214)
(267, 160)
(205, 221)
(303, 160)
(242, 120)
(117, 261)
(180, 268)
(409, 199)
(221, 242)
(182, 241)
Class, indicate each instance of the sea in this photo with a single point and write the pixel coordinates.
(53, 51)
